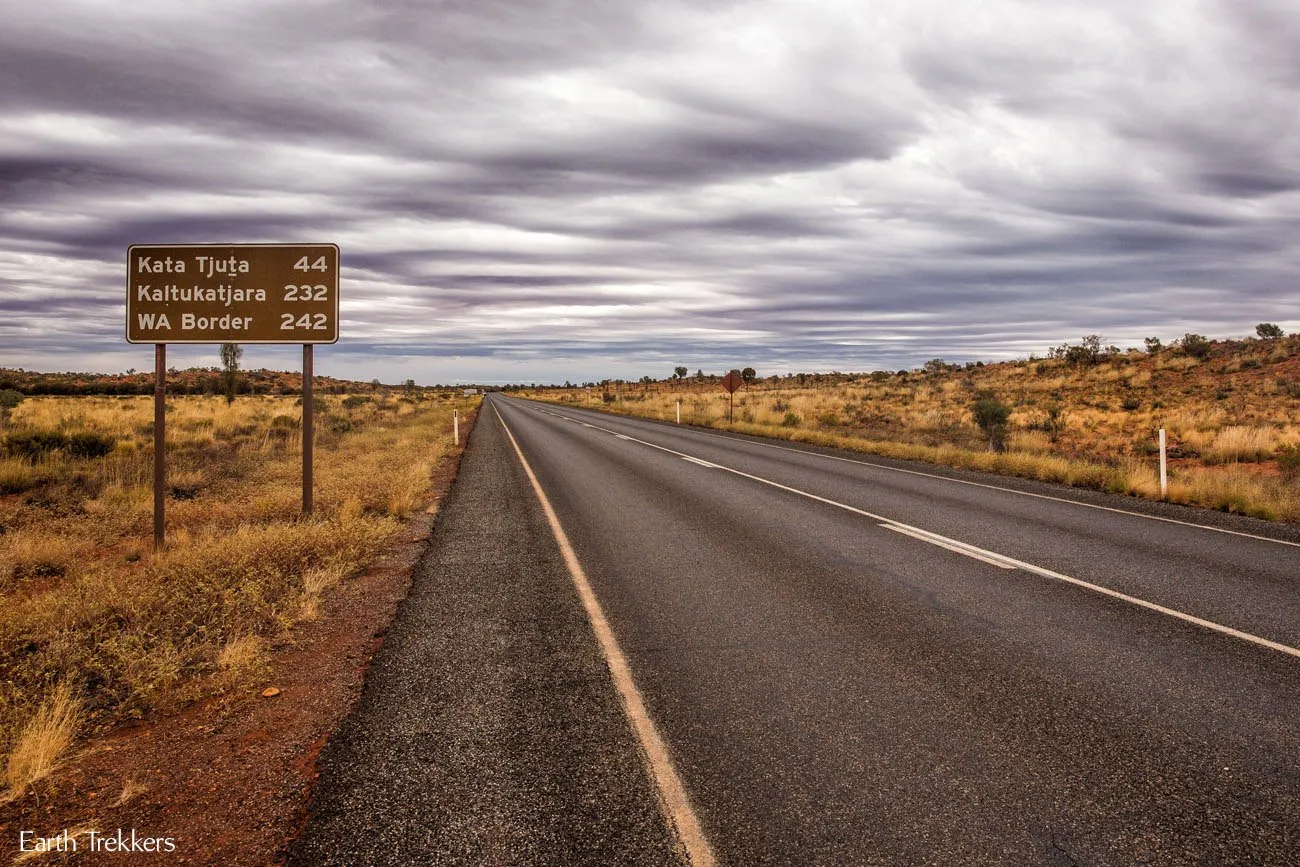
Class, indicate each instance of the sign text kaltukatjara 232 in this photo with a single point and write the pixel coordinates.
(232, 293)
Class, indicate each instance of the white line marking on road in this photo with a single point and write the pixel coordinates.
(944, 542)
(1001, 559)
(696, 461)
(1009, 490)
(995, 488)
(620, 436)
(672, 791)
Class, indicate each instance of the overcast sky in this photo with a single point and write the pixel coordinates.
(534, 190)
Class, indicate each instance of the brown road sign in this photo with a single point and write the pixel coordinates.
(732, 381)
(232, 293)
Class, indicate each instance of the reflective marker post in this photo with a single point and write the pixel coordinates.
(1164, 467)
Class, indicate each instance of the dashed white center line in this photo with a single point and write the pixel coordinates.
(951, 545)
(991, 557)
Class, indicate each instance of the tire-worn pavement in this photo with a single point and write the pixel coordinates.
(489, 731)
(834, 687)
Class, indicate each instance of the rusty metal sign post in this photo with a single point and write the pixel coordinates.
(732, 381)
(230, 293)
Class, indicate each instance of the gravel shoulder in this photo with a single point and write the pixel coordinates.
(489, 731)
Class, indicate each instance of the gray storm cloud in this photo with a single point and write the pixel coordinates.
(531, 191)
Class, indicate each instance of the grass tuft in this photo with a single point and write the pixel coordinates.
(44, 740)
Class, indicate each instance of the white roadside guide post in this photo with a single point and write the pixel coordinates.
(679, 411)
(455, 427)
(1164, 467)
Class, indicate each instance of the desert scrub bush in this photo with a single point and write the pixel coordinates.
(33, 444)
(90, 444)
(1288, 461)
(1195, 345)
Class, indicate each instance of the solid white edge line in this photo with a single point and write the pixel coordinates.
(742, 439)
(967, 548)
(672, 791)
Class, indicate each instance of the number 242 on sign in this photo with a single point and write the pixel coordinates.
(308, 321)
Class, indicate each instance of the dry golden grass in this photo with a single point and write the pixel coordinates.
(130, 791)
(1240, 443)
(87, 602)
(242, 653)
(1093, 426)
(44, 740)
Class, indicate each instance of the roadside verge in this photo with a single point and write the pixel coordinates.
(226, 779)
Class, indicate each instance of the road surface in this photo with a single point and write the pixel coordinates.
(835, 659)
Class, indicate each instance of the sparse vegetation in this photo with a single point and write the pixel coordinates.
(123, 632)
(1231, 408)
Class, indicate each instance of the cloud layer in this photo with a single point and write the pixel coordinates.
(533, 190)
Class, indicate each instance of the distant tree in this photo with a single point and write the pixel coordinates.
(1087, 352)
(680, 372)
(1195, 345)
(749, 375)
(935, 365)
(991, 415)
(409, 386)
(1153, 344)
(230, 355)
(699, 374)
(1268, 331)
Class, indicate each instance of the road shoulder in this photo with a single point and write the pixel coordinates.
(489, 730)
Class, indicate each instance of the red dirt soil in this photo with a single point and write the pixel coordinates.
(227, 780)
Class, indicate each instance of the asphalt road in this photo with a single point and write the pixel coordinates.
(849, 661)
